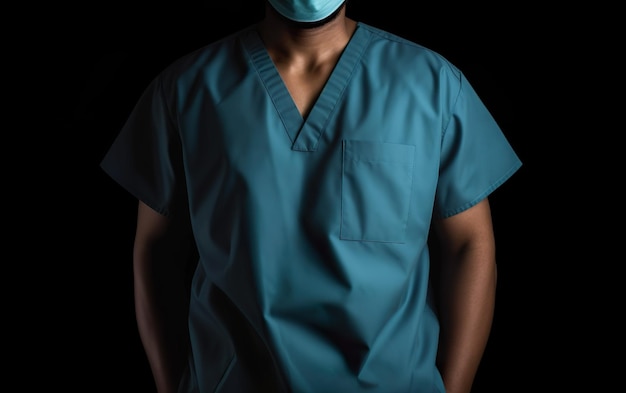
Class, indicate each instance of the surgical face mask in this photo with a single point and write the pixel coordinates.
(306, 10)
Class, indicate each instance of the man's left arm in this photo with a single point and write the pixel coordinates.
(465, 284)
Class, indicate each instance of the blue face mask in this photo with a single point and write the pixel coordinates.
(306, 10)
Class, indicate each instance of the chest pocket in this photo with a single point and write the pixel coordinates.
(376, 184)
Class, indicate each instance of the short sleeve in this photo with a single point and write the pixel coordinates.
(476, 157)
(145, 158)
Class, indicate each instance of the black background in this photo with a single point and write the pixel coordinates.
(97, 59)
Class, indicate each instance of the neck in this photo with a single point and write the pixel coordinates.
(289, 42)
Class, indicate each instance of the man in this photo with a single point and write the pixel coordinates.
(305, 160)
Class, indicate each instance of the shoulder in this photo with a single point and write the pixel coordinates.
(406, 51)
(215, 66)
(212, 59)
(422, 70)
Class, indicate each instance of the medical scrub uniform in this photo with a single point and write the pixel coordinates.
(312, 232)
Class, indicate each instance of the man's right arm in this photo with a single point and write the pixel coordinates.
(162, 249)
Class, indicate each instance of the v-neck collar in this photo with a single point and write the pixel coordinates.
(305, 134)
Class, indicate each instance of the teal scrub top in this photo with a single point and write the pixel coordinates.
(313, 271)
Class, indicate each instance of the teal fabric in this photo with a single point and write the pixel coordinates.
(312, 233)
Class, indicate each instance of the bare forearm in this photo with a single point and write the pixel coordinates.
(467, 300)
